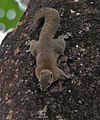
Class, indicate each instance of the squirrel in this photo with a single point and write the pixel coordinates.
(47, 50)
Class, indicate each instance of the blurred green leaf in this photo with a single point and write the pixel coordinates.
(10, 14)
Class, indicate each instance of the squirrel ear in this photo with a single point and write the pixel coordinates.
(41, 72)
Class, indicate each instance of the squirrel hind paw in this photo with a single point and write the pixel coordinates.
(27, 42)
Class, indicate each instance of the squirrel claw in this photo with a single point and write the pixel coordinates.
(28, 51)
(27, 42)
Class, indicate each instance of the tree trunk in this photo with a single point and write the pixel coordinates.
(79, 99)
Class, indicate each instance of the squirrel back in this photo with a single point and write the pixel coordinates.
(51, 22)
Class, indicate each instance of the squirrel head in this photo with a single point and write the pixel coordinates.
(46, 79)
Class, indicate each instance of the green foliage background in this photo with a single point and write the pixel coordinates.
(7, 5)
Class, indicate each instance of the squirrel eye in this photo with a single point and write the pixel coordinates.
(51, 76)
(49, 84)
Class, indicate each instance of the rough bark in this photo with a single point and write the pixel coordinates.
(79, 99)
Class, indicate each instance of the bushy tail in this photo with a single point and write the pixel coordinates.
(51, 22)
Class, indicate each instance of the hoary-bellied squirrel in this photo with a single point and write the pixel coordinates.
(47, 50)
